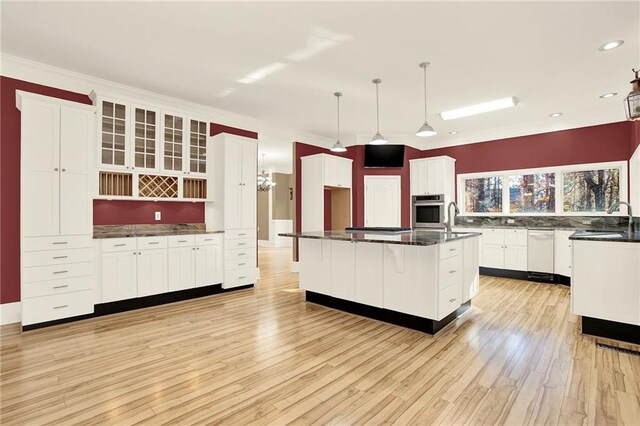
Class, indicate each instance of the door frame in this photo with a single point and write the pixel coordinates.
(397, 178)
(634, 177)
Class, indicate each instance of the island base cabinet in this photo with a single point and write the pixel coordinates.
(315, 265)
(343, 270)
(471, 272)
(369, 274)
(609, 293)
(410, 279)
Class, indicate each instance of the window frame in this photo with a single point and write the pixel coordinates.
(622, 166)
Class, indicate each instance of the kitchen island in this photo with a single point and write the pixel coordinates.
(419, 279)
(605, 288)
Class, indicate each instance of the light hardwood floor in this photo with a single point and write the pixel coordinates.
(264, 356)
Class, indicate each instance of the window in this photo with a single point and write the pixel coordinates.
(590, 190)
(532, 193)
(483, 195)
(582, 189)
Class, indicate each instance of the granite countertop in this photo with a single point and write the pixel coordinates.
(616, 236)
(415, 238)
(131, 231)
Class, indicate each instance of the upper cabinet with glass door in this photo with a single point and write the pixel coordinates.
(173, 143)
(113, 135)
(145, 138)
(197, 148)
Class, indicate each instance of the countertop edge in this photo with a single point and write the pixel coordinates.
(155, 234)
(380, 241)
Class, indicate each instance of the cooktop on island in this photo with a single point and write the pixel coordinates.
(378, 229)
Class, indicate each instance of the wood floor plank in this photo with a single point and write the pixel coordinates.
(265, 356)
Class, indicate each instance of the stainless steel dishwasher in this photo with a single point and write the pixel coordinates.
(540, 254)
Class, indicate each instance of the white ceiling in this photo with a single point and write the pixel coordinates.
(544, 53)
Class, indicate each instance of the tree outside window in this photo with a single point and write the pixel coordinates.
(590, 190)
(483, 195)
(534, 193)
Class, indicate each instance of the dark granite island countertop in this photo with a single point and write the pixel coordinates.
(415, 238)
(132, 231)
(610, 236)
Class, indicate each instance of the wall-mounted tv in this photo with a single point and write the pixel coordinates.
(384, 155)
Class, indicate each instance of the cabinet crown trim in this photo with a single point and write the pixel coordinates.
(22, 96)
(440, 157)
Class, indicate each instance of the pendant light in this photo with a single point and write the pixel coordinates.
(338, 147)
(265, 183)
(377, 139)
(632, 102)
(425, 130)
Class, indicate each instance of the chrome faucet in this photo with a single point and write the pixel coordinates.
(629, 211)
(449, 215)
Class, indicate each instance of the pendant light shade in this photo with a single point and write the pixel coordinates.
(632, 102)
(426, 129)
(377, 139)
(338, 147)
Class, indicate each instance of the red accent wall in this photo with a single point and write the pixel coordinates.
(10, 178)
(635, 140)
(216, 128)
(118, 212)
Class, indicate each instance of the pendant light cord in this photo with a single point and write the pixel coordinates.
(338, 99)
(425, 93)
(377, 110)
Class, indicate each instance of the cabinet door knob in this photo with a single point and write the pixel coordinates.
(55, 170)
(64, 170)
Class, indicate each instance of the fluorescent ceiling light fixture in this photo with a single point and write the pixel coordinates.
(608, 95)
(226, 92)
(611, 45)
(555, 114)
(479, 108)
(262, 73)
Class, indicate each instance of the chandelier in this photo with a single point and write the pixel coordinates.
(265, 183)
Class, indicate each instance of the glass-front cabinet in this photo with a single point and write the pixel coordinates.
(197, 150)
(113, 135)
(172, 143)
(145, 138)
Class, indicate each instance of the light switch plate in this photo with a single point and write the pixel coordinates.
(511, 221)
(158, 215)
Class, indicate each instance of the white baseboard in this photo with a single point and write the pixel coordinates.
(294, 267)
(10, 313)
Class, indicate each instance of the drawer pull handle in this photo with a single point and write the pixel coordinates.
(242, 277)
(208, 239)
(60, 272)
(452, 300)
(61, 307)
(61, 286)
(59, 242)
(183, 241)
(452, 249)
(241, 254)
(60, 257)
(119, 245)
(242, 244)
(242, 235)
(241, 264)
(154, 242)
(453, 271)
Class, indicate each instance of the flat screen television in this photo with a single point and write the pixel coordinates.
(383, 156)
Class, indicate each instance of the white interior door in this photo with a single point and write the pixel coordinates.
(382, 201)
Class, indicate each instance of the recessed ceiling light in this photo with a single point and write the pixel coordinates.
(453, 132)
(555, 114)
(608, 95)
(479, 108)
(611, 45)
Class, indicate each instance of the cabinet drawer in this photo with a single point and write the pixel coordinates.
(450, 249)
(209, 239)
(247, 253)
(174, 241)
(56, 272)
(234, 234)
(493, 236)
(49, 308)
(239, 277)
(56, 243)
(57, 257)
(515, 237)
(48, 288)
(118, 244)
(145, 243)
(449, 300)
(450, 272)
(240, 243)
(242, 263)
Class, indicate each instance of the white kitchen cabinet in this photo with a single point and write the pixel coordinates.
(196, 147)
(493, 256)
(343, 272)
(432, 176)
(113, 133)
(504, 249)
(240, 181)
(562, 252)
(209, 265)
(144, 132)
(322, 171)
(151, 270)
(181, 268)
(471, 273)
(515, 258)
(410, 279)
(119, 276)
(315, 269)
(369, 274)
(606, 281)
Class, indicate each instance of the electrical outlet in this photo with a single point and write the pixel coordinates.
(511, 221)
(586, 222)
(469, 220)
(158, 215)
